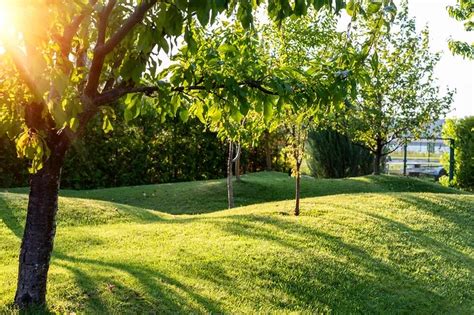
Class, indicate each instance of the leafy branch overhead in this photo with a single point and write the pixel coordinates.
(462, 11)
(84, 56)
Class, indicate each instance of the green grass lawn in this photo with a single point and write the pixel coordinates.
(372, 244)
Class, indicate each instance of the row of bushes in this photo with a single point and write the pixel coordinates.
(145, 151)
(175, 151)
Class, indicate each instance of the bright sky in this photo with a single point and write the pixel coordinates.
(452, 71)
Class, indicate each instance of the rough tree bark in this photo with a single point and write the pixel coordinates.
(38, 236)
(378, 157)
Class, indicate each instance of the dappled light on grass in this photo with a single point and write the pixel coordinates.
(375, 252)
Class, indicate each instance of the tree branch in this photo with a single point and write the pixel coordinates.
(136, 17)
(116, 93)
(99, 56)
(393, 150)
(258, 85)
(71, 29)
(19, 60)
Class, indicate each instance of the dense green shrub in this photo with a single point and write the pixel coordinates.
(13, 172)
(332, 155)
(144, 151)
(462, 131)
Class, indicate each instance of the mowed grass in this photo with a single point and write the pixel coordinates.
(372, 244)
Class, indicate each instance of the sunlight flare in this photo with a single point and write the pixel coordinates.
(7, 21)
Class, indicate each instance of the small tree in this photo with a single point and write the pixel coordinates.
(398, 96)
(310, 50)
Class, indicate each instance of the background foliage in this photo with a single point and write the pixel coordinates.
(462, 131)
(332, 155)
(143, 151)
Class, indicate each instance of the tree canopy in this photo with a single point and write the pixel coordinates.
(398, 95)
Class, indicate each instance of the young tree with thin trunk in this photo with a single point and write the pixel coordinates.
(232, 160)
(311, 50)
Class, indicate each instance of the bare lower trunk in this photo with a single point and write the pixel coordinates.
(378, 159)
(38, 236)
(237, 169)
(230, 188)
(297, 189)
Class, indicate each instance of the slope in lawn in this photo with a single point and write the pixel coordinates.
(384, 252)
(208, 196)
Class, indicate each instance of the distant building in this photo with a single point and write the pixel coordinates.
(425, 145)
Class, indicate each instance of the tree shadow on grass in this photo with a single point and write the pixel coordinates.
(459, 214)
(161, 293)
(210, 196)
(348, 278)
(10, 219)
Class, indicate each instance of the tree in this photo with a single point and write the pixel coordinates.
(398, 96)
(229, 54)
(78, 61)
(308, 51)
(462, 11)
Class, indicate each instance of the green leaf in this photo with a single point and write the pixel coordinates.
(181, 4)
(244, 13)
(58, 113)
(318, 4)
(268, 109)
(173, 24)
(350, 7)
(188, 37)
(184, 114)
(107, 125)
(374, 7)
(132, 108)
(300, 7)
(175, 103)
(203, 13)
(227, 48)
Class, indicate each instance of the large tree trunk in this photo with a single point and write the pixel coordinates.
(230, 188)
(38, 236)
(268, 152)
(378, 158)
(297, 189)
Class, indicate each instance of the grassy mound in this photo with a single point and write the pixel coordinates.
(371, 244)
